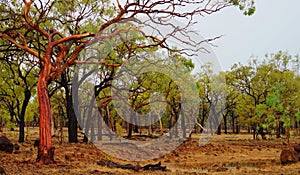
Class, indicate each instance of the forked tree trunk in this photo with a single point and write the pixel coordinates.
(45, 150)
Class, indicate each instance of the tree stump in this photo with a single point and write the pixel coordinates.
(6, 145)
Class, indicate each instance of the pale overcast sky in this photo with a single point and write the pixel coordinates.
(274, 26)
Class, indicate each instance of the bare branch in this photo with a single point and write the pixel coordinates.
(28, 4)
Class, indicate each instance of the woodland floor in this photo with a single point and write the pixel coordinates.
(224, 154)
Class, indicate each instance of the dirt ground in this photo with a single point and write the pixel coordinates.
(224, 154)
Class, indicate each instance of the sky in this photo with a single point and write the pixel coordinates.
(274, 26)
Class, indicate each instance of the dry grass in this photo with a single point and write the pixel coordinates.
(224, 154)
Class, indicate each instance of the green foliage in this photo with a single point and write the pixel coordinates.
(260, 110)
(18, 75)
(119, 129)
(268, 91)
(297, 115)
(246, 6)
(32, 110)
(9, 125)
(4, 115)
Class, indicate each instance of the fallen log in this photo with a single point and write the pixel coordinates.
(150, 167)
(112, 164)
(155, 167)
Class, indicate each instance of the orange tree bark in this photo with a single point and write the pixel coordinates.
(45, 150)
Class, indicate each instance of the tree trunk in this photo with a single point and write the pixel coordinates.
(232, 124)
(72, 120)
(1, 124)
(225, 124)
(88, 120)
(262, 133)
(130, 126)
(45, 150)
(75, 99)
(129, 134)
(93, 129)
(170, 126)
(72, 124)
(52, 123)
(202, 118)
(237, 128)
(219, 130)
(211, 125)
(277, 127)
(27, 95)
(183, 127)
(282, 129)
(175, 125)
(254, 132)
(161, 129)
(150, 126)
(99, 134)
(135, 127)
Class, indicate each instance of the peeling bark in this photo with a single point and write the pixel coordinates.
(45, 150)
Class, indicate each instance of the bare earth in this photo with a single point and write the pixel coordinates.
(224, 154)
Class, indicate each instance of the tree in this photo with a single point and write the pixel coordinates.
(65, 82)
(268, 93)
(231, 101)
(212, 88)
(251, 81)
(55, 26)
(19, 82)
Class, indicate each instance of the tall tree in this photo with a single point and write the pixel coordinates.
(252, 82)
(212, 90)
